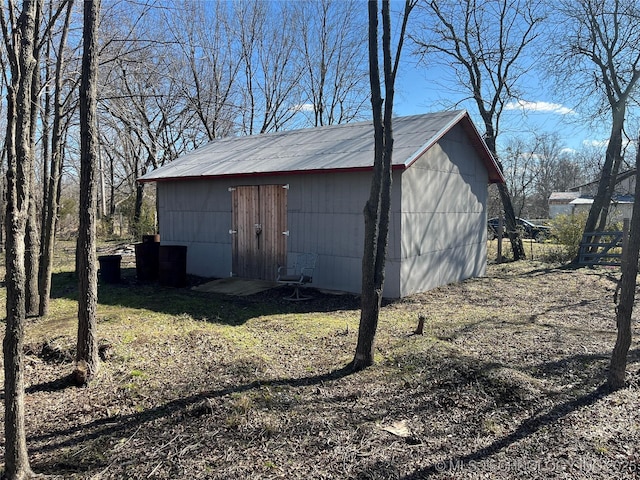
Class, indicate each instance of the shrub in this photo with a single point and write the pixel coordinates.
(567, 230)
(146, 224)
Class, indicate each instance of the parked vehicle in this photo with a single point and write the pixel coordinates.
(527, 229)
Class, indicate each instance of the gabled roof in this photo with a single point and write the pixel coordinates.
(563, 197)
(347, 147)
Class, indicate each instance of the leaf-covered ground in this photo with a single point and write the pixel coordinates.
(505, 383)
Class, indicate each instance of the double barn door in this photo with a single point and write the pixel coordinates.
(259, 230)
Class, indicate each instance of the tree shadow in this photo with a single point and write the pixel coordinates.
(206, 306)
(580, 363)
(119, 425)
(56, 385)
(525, 429)
(538, 422)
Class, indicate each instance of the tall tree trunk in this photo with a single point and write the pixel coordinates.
(87, 360)
(50, 213)
(509, 214)
(607, 183)
(624, 309)
(371, 299)
(600, 207)
(32, 254)
(20, 47)
(112, 189)
(32, 240)
(510, 221)
(137, 211)
(377, 210)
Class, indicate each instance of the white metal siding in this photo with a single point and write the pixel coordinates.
(324, 216)
(444, 196)
(197, 215)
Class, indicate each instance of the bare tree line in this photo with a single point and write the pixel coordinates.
(176, 74)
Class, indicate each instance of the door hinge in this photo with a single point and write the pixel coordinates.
(286, 233)
(232, 189)
(233, 232)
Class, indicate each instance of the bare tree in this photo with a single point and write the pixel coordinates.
(144, 116)
(53, 165)
(599, 56)
(87, 360)
(557, 171)
(378, 208)
(627, 286)
(143, 124)
(270, 76)
(206, 63)
(32, 244)
(536, 167)
(485, 43)
(519, 166)
(19, 34)
(334, 60)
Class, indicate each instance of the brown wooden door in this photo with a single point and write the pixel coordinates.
(259, 220)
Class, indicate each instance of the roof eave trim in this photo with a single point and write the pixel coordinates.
(265, 174)
(495, 174)
(434, 139)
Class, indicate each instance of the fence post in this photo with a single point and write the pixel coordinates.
(499, 259)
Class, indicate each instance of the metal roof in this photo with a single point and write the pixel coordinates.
(563, 196)
(616, 199)
(346, 147)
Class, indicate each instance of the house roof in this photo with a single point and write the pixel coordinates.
(616, 199)
(346, 147)
(563, 197)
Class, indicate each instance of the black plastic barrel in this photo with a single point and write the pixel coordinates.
(147, 261)
(110, 268)
(172, 265)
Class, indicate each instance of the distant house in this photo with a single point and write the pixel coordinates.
(580, 198)
(560, 203)
(245, 205)
(625, 185)
(621, 207)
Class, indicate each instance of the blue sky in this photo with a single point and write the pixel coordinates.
(543, 111)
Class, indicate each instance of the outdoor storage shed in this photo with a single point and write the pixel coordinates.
(245, 205)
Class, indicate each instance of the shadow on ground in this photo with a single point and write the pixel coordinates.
(207, 306)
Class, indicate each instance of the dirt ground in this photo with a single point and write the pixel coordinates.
(505, 383)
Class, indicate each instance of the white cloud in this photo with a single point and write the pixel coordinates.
(544, 107)
(303, 107)
(595, 143)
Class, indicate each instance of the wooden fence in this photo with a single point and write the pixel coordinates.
(604, 248)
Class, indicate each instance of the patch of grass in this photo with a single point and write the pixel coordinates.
(252, 387)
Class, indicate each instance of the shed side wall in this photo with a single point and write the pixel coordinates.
(444, 232)
(324, 216)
